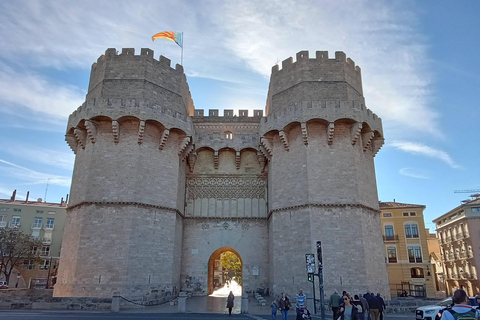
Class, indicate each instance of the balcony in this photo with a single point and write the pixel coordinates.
(47, 241)
(14, 225)
(3, 224)
(49, 227)
(36, 226)
(393, 238)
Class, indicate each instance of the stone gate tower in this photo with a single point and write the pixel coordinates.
(161, 189)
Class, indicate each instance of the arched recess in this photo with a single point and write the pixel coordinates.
(213, 265)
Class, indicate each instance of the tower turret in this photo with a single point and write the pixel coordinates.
(131, 138)
(320, 140)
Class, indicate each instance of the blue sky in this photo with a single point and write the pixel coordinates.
(418, 60)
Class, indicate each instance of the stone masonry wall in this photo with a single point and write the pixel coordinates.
(126, 248)
(202, 237)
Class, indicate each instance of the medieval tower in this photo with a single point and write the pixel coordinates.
(160, 189)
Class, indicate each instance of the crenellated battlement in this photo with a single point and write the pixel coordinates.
(126, 75)
(321, 56)
(228, 116)
(337, 78)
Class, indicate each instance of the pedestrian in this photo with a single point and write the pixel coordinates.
(335, 303)
(381, 305)
(366, 310)
(460, 308)
(361, 309)
(274, 307)
(230, 299)
(284, 305)
(299, 306)
(348, 311)
(373, 306)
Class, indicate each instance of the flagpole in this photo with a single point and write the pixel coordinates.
(183, 43)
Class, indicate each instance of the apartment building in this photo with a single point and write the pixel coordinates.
(406, 250)
(45, 221)
(458, 233)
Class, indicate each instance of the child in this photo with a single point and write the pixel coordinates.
(306, 314)
(274, 307)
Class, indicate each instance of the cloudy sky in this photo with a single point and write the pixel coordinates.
(418, 61)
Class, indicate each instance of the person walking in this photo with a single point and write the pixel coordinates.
(300, 305)
(285, 305)
(230, 299)
(366, 310)
(335, 303)
(373, 306)
(274, 307)
(348, 311)
(381, 305)
(460, 308)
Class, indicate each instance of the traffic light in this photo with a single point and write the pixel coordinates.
(310, 277)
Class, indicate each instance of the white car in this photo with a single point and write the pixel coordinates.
(430, 312)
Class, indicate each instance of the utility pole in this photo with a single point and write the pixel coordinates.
(320, 278)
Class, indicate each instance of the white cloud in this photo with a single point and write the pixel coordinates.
(50, 157)
(31, 176)
(415, 173)
(423, 150)
(31, 91)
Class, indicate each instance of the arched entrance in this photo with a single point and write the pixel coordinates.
(216, 273)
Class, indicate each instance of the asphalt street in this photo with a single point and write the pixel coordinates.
(60, 315)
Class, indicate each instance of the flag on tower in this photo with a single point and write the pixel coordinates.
(170, 35)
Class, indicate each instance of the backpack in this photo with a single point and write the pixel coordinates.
(470, 315)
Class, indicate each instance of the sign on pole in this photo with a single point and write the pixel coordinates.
(310, 261)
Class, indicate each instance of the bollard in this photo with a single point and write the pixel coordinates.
(244, 308)
(182, 302)
(116, 302)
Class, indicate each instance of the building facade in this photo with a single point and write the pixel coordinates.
(160, 189)
(406, 250)
(458, 233)
(45, 221)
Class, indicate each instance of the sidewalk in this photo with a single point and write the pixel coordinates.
(208, 304)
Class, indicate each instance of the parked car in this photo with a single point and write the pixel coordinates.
(3, 285)
(432, 312)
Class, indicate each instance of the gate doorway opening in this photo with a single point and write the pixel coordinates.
(225, 272)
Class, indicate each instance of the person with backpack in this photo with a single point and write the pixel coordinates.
(460, 310)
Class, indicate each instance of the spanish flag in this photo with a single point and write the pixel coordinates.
(170, 35)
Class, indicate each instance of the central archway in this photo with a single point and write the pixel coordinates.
(215, 270)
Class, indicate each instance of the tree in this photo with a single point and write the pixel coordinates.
(231, 262)
(15, 246)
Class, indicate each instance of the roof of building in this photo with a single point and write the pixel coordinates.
(395, 205)
(33, 203)
(466, 203)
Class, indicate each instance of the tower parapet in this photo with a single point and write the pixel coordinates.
(133, 76)
(340, 78)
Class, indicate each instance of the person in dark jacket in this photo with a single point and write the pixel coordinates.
(348, 311)
(230, 299)
(284, 304)
(381, 305)
(373, 306)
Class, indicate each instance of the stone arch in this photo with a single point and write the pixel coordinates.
(211, 265)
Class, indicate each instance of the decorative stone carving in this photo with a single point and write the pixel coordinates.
(91, 130)
(141, 131)
(226, 187)
(163, 138)
(330, 130)
(115, 131)
(304, 133)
